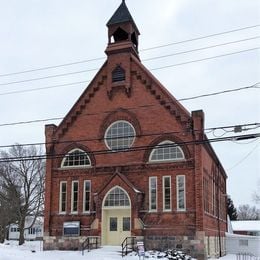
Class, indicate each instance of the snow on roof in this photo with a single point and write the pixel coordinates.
(246, 225)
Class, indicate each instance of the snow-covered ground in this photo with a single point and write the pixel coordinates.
(11, 251)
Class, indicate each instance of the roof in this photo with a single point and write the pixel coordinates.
(246, 225)
(121, 15)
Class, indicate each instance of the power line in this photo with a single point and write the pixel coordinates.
(220, 92)
(158, 57)
(137, 107)
(48, 77)
(209, 58)
(146, 49)
(200, 38)
(134, 149)
(42, 88)
(202, 48)
(244, 158)
(64, 74)
(153, 58)
(256, 125)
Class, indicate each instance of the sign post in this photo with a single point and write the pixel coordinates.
(140, 249)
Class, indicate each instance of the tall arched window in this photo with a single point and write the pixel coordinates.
(166, 151)
(117, 197)
(76, 158)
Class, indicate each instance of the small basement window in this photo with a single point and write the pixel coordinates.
(118, 74)
(71, 228)
(243, 242)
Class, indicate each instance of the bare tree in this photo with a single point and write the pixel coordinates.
(246, 212)
(23, 169)
(256, 194)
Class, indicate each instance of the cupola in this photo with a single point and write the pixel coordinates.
(122, 32)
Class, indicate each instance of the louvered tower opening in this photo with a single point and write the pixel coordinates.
(118, 74)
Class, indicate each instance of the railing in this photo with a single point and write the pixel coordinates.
(128, 245)
(246, 256)
(91, 242)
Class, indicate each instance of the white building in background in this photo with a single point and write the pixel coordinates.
(243, 237)
(33, 233)
(246, 227)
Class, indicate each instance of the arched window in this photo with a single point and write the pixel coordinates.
(118, 74)
(166, 151)
(119, 135)
(76, 158)
(117, 197)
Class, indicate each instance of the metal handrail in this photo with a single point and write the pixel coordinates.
(89, 242)
(125, 245)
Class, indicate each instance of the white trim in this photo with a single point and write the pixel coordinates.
(75, 166)
(150, 204)
(166, 160)
(118, 121)
(184, 192)
(60, 198)
(72, 198)
(163, 179)
(84, 196)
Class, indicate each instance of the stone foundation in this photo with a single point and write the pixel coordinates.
(191, 245)
(62, 243)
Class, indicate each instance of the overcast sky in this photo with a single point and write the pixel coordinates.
(36, 34)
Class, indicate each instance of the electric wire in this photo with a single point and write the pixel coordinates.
(133, 149)
(200, 49)
(145, 49)
(244, 158)
(48, 77)
(221, 92)
(136, 107)
(254, 126)
(42, 88)
(209, 58)
(200, 38)
(74, 83)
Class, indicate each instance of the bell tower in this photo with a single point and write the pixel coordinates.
(122, 48)
(122, 32)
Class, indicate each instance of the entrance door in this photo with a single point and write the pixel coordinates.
(116, 217)
(118, 226)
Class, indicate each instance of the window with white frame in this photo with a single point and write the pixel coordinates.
(181, 198)
(63, 196)
(120, 135)
(153, 193)
(166, 193)
(166, 151)
(117, 197)
(74, 196)
(86, 196)
(76, 158)
(31, 231)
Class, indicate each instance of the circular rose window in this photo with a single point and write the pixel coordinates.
(119, 135)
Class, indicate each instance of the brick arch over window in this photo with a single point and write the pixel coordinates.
(76, 146)
(168, 138)
(117, 115)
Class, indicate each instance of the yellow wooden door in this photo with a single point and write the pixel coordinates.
(118, 226)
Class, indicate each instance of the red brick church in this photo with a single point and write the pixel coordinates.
(129, 160)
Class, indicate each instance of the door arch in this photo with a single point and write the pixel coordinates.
(116, 216)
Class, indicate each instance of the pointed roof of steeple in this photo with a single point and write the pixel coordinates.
(121, 15)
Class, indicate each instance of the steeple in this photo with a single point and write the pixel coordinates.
(122, 29)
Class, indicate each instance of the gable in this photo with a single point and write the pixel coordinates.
(140, 86)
